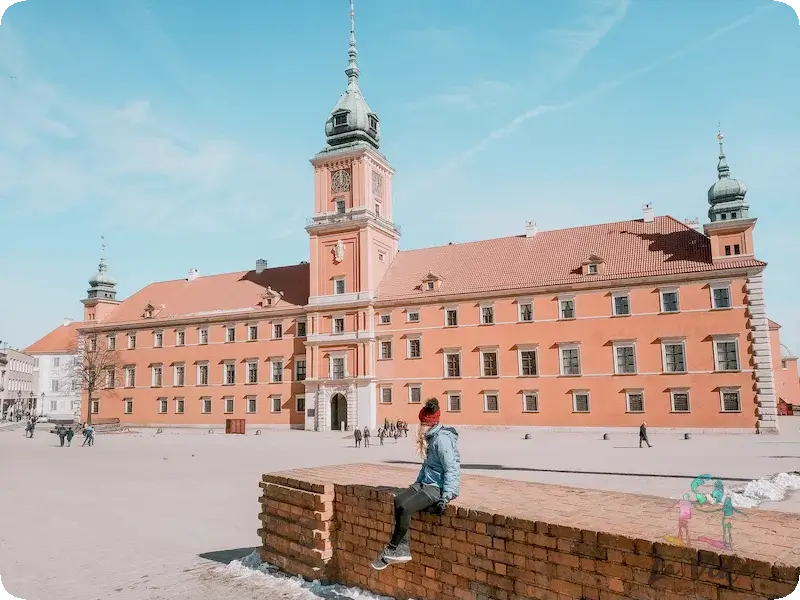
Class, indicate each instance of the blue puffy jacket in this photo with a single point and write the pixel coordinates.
(442, 466)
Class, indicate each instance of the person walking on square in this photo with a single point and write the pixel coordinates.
(366, 436)
(88, 436)
(62, 434)
(357, 436)
(69, 436)
(643, 435)
(381, 434)
(438, 482)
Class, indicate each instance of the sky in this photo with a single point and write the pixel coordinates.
(181, 131)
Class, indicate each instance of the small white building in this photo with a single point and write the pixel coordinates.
(59, 395)
(17, 374)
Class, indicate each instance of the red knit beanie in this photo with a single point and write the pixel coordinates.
(429, 415)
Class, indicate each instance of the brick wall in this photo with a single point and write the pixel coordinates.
(509, 539)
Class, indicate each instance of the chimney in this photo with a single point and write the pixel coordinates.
(67, 321)
(647, 210)
(261, 265)
(693, 223)
(531, 228)
(193, 274)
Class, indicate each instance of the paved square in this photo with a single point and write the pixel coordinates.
(130, 518)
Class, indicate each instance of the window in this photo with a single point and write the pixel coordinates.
(373, 122)
(451, 317)
(621, 305)
(180, 338)
(491, 402)
(162, 406)
(721, 296)
(338, 285)
(386, 395)
(674, 355)
(528, 366)
(591, 268)
(731, 400)
(53, 405)
(252, 371)
(341, 206)
(415, 394)
(727, 250)
(276, 404)
(454, 402)
(203, 336)
(670, 301)
(726, 351)
(338, 325)
(93, 344)
(180, 405)
(337, 367)
(128, 406)
(54, 385)
(679, 400)
(737, 249)
(202, 374)
(429, 285)
(525, 311)
(570, 360)
(276, 374)
(300, 404)
(340, 120)
(158, 340)
(205, 406)
(377, 208)
(130, 377)
(131, 341)
(230, 373)
(452, 364)
(566, 308)
(487, 315)
(251, 404)
(110, 378)
(381, 257)
(386, 318)
(112, 342)
(301, 329)
(180, 375)
(228, 400)
(252, 333)
(580, 402)
(386, 350)
(413, 316)
(300, 369)
(414, 348)
(277, 331)
(230, 334)
(530, 402)
(624, 358)
(157, 376)
(95, 407)
(634, 401)
(489, 366)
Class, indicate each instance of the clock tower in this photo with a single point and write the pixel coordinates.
(352, 243)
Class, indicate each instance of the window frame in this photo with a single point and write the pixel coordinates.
(297, 399)
(730, 390)
(413, 311)
(620, 294)
(382, 389)
(127, 406)
(619, 344)
(726, 339)
(251, 328)
(131, 341)
(334, 320)
(669, 290)
(449, 352)
(272, 400)
(275, 360)
(203, 401)
(297, 361)
(414, 386)
(158, 339)
(413, 338)
(336, 281)
(528, 348)
(449, 309)
(180, 337)
(634, 392)
(682, 390)
(230, 334)
(575, 394)
(525, 395)
(382, 315)
(569, 346)
(180, 403)
(482, 352)
(225, 364)
(481, 316)
(111, 342)
(156, 368)
(673, 342)
(567, 298)
(202, 332)
(247, 400)
(332, 358)
(522, 302)
(163, 405)
(248, 363)
(130, 370)
(297, 324)
(454, 394)
(277, 330)
(381, 343)
(225, 401)
(175, 371)
(486, 395)
(721, 285)
(198, 379)
(94, 406)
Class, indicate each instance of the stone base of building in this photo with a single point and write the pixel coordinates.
(503, 539)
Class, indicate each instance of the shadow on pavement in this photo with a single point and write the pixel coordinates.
(226, 557)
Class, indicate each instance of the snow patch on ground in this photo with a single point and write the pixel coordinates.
(767, 489)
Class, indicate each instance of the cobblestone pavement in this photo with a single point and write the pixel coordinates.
(146, 516)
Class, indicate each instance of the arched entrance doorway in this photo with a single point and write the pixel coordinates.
(338, 412)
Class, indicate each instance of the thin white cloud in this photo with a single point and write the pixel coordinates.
(513, 125)
(479, 95)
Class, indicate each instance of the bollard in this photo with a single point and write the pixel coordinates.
(159, 430)
(258, 432)
(527, 436)
(606, 436)
(211, 431)
(687, 436)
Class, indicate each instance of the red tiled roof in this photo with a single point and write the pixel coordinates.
(60, 340)
(773, 324)
(628, 249)
(207, 295)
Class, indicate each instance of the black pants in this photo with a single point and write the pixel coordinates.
(645, 440)
(411, 500)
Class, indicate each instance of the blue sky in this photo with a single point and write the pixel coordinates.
(182, 130)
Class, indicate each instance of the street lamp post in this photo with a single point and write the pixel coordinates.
(18, 408)
(41, 406)
(32, 403)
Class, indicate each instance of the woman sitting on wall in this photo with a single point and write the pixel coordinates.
(437, 484)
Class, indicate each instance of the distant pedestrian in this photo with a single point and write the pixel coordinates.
(366, 437)
(62, 434)
(405, 427)
(643, 435)
(69, 434)
(381, 434)
(88, 436)
(357, 435)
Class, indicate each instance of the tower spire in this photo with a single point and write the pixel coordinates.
(352, 70)
(723, 170)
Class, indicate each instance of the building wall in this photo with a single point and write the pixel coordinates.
(16, 376)
(57, 392)
(787, 382)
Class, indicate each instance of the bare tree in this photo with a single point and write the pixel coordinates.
(94, 367)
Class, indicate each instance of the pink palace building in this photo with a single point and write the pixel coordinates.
(606, 325)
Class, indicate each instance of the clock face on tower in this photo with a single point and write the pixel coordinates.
(340, 182)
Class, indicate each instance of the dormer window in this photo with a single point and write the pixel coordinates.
(429, 285)
(593, 265)
(270, 297)
(431, 282)
(373, 122)
(340, 119)
(149, 311)
(592, 268)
